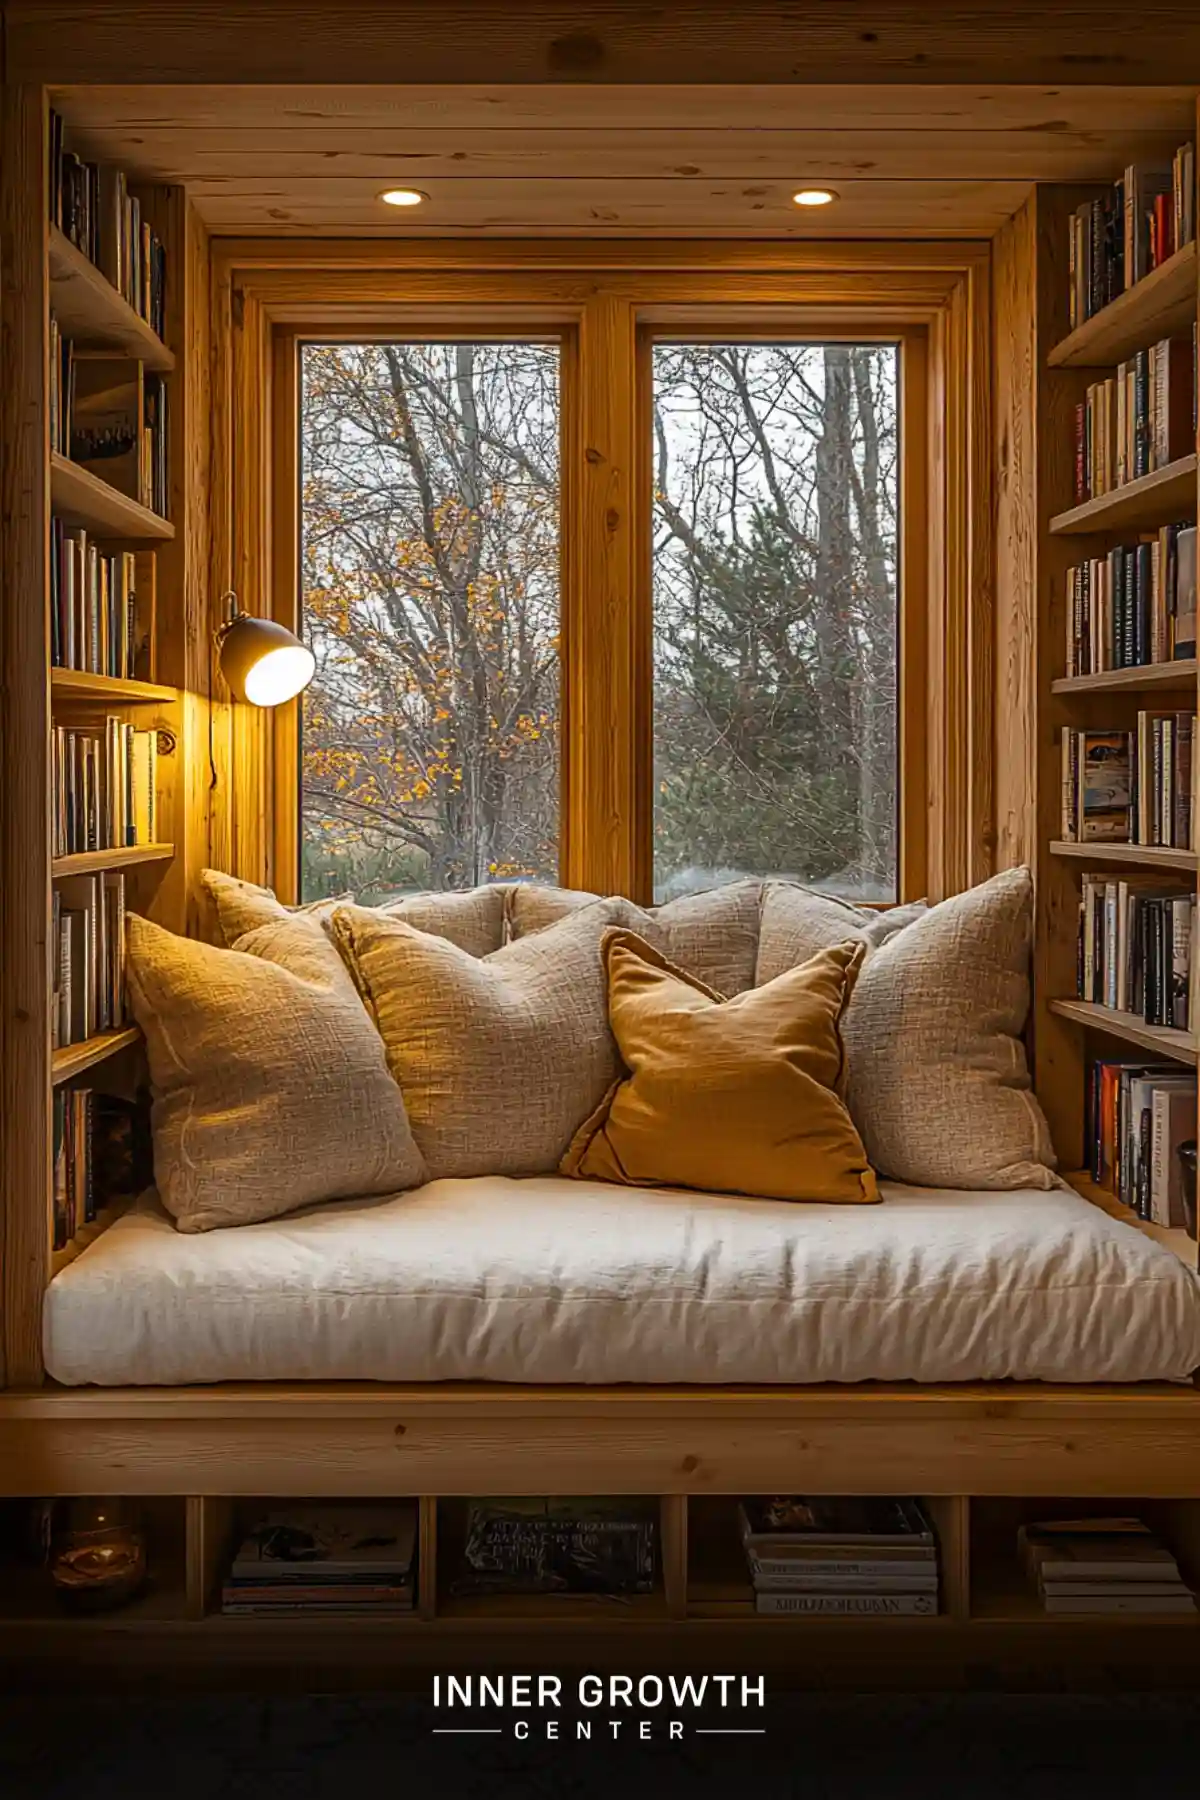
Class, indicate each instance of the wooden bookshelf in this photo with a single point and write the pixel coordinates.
(1177, 1046)
(1181, 674)
(91, 311)
(112, 690)
(1154, 499)
(75, 1059)
(1138, 856)
(81, 498)
(87, 1234)
(1162, 304)
(91, 862)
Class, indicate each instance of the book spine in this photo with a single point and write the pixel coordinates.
(845, 1605)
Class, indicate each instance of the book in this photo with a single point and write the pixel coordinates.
(1103, 799)
(107, 421)
(584, 1544)
(769, 1522)
(338, 1538)
(813, 1579)
(1100, 1549)
(1090, 1604)
(848, 1605)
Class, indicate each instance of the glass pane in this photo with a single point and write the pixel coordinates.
(430, 597)
(775, 615)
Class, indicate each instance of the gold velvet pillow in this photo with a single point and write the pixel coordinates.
(740, 1096)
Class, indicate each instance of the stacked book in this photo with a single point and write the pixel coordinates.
(1135, 605)
(840, 1556)
(1136, 937)
(1125, 234)
(104, 788)
(87, 937)
(1138, 1115)
(1130, 787)
(91, 204)
(590, 1544)
(336, 1558)
(1138, 420)
(101, 605)
(115, 422)
(1098, 1566)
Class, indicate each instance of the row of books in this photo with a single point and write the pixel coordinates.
(1125, 234)
(1102, 1566)
(88, 943)
(1136, 938)
(839, 1555)
(91, 203)
(109, 415)
(1130, 787)
(337, 1559)
(1138, 420)
(104, 788)
(101, 605)
(101, 1154)
(587, 1544)
(1137, 1116)
(1133, 606)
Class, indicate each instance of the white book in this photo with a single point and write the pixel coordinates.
(1173, 1121)
(849, 1605)
(803, 1571)
(811, 1581)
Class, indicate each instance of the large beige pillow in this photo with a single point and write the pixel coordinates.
(798, 921)
(712, 935)
(269, 1083)
(499, 1058)
(938, 1081)
(473, 919)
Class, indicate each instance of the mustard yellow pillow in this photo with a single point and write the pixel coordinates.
(739, 1096)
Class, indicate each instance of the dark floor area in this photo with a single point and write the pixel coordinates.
(824, 1747)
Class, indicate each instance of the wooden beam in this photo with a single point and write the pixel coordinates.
(25, 967)
(863, 41)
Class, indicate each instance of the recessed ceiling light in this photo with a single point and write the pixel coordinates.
(814, 196)
(403, 197)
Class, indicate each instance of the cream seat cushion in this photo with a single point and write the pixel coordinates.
(270, 1089)
(551, 1280)
(500, 1058)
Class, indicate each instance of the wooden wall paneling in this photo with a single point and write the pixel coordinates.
(182, 607)
(600, 630)
(283, 873)
(960, 643)
(25, 1111)
(221, 556)
(1014, 341)
(241, 42)
(915, 538)
(427, 1554)
(249, 795)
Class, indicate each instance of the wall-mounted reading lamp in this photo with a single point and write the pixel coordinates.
(261, 660)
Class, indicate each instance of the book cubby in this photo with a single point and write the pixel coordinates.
(983, 1595)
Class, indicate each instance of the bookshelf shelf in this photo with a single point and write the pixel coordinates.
(75, 1059)
(81, 498)
(1174, 1238)
(1145, 856)
(1162, 304)
(77, 684)
(91, 311)
(1154, 499)
(1179, 1046)
(91, 862)
(1181, 674)
(87, 1234)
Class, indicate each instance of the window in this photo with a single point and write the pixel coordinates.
(429, 527)
(775, 615)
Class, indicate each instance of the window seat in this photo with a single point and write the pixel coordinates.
(552, 1281)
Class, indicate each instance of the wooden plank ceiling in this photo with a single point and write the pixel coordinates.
(597, 161)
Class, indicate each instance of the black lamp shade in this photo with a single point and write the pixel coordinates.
(263, 662)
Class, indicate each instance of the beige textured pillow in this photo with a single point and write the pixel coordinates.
(499, 1058)
(798, 921)
(713, 935)
(939, 1086)
(474, 920)
(270, 1087)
